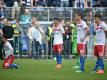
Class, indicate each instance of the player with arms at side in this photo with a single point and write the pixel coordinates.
(100, 43)
(82, 31)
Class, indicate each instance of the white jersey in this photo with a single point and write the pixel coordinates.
(81, 32)
(100, 38)
(58, 35)
(8, 49)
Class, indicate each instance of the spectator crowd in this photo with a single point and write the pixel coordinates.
(20, 28)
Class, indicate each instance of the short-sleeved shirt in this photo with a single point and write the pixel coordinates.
(81, 31)
(58, 35)
(100, 29)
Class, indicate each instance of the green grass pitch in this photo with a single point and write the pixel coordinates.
(30, 69)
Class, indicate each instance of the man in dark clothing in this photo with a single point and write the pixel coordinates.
(71, 3)
(55, 3)
(8, 31)
(50, 41)
(1, 48)
(1, 43)
(9, 3)
(67, 40)
(40, 3)
(103, 3)
(99, 3)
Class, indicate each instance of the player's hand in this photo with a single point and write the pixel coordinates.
(82, 39)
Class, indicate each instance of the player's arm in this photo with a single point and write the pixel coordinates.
(86, 30)
(52, 33)
(62, 30)
(106, 33)
(105, 29)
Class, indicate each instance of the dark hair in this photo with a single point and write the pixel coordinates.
(56, 19)
(79, 14)
(98, 16)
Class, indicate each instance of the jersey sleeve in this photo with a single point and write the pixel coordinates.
(62, 30)
(105, 26)
(85, 25)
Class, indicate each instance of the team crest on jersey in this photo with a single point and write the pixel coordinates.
(99, 29)
(79, 25)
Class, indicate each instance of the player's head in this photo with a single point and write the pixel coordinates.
(56, 21)
(78, 16)
(97, 18)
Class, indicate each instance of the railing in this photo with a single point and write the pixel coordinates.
(46, 15)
